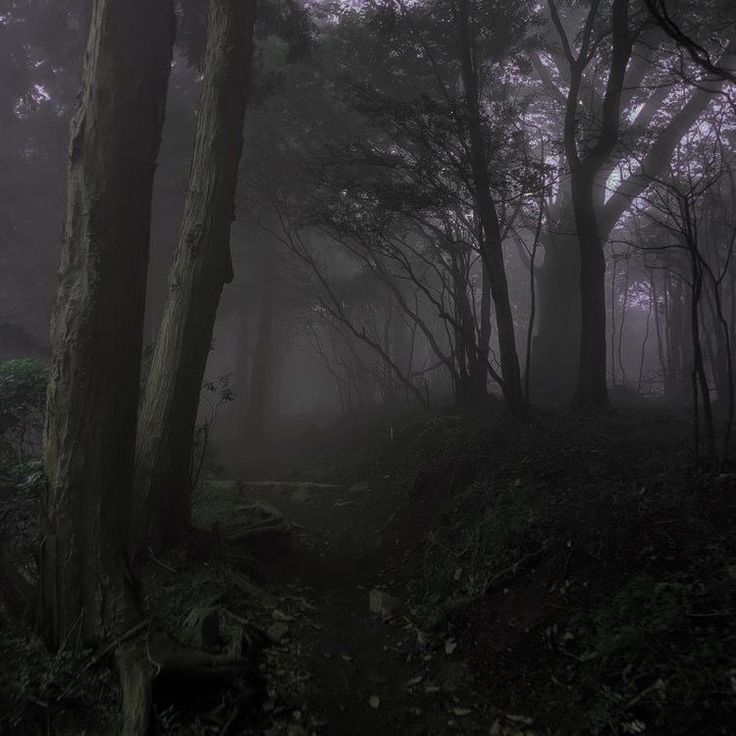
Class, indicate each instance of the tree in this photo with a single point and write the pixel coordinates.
(491, 239)
(663, 16)
(97, 324)
(656, 110)
(42, 46)
(585, 169)
(201, 268)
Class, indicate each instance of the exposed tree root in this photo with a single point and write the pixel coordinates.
(136, 682)
(141, 661)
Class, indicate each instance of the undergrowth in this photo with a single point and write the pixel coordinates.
(592, 567)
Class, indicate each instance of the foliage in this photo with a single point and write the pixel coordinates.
(611, 588)
(215, 394)
(22, 401)
(51, 693)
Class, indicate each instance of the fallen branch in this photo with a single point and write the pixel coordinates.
(285, 484)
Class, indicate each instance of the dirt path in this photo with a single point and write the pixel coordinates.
(340, 669)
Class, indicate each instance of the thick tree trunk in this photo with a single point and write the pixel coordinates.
(201, 268)
(97, 325)
(591, 389)
(557, 339)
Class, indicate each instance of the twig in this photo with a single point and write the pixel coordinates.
(390, 521)
(643, 694)
(160, 563)
(230, 722)
(514, 567)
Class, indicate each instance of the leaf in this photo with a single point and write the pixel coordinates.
(374, 701)
(462, 712)
(450, 646)
(520, 719)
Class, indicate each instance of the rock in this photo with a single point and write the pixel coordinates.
(382, 604)
(360, 487)
(276, 632)
(301, 495)
(374, 701)
(281, 616)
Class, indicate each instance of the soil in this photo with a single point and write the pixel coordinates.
(571, 574)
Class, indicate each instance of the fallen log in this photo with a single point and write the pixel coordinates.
(286, 484)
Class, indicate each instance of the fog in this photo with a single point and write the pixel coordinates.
(375, 299)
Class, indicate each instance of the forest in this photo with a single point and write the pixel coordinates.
(368, 367)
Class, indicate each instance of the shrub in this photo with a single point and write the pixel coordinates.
(22, 401)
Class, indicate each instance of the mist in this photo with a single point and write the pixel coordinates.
(367, 367)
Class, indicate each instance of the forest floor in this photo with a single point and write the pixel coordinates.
(454, 574)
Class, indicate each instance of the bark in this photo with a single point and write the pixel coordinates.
(491, 243)
(591, 389)
(201, 268)
(97, 325)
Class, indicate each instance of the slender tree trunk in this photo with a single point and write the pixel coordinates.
(491, 244)
(97, 325)
(622, 324)
(202, 266)
(643, 351)
(698, 375)
(479, 372)
(472, 385)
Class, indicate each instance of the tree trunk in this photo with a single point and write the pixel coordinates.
(479, 367)
(591, 387)
(97, 326)
(557, 339)
(491, 243)
(202, 266)
(555, 347)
